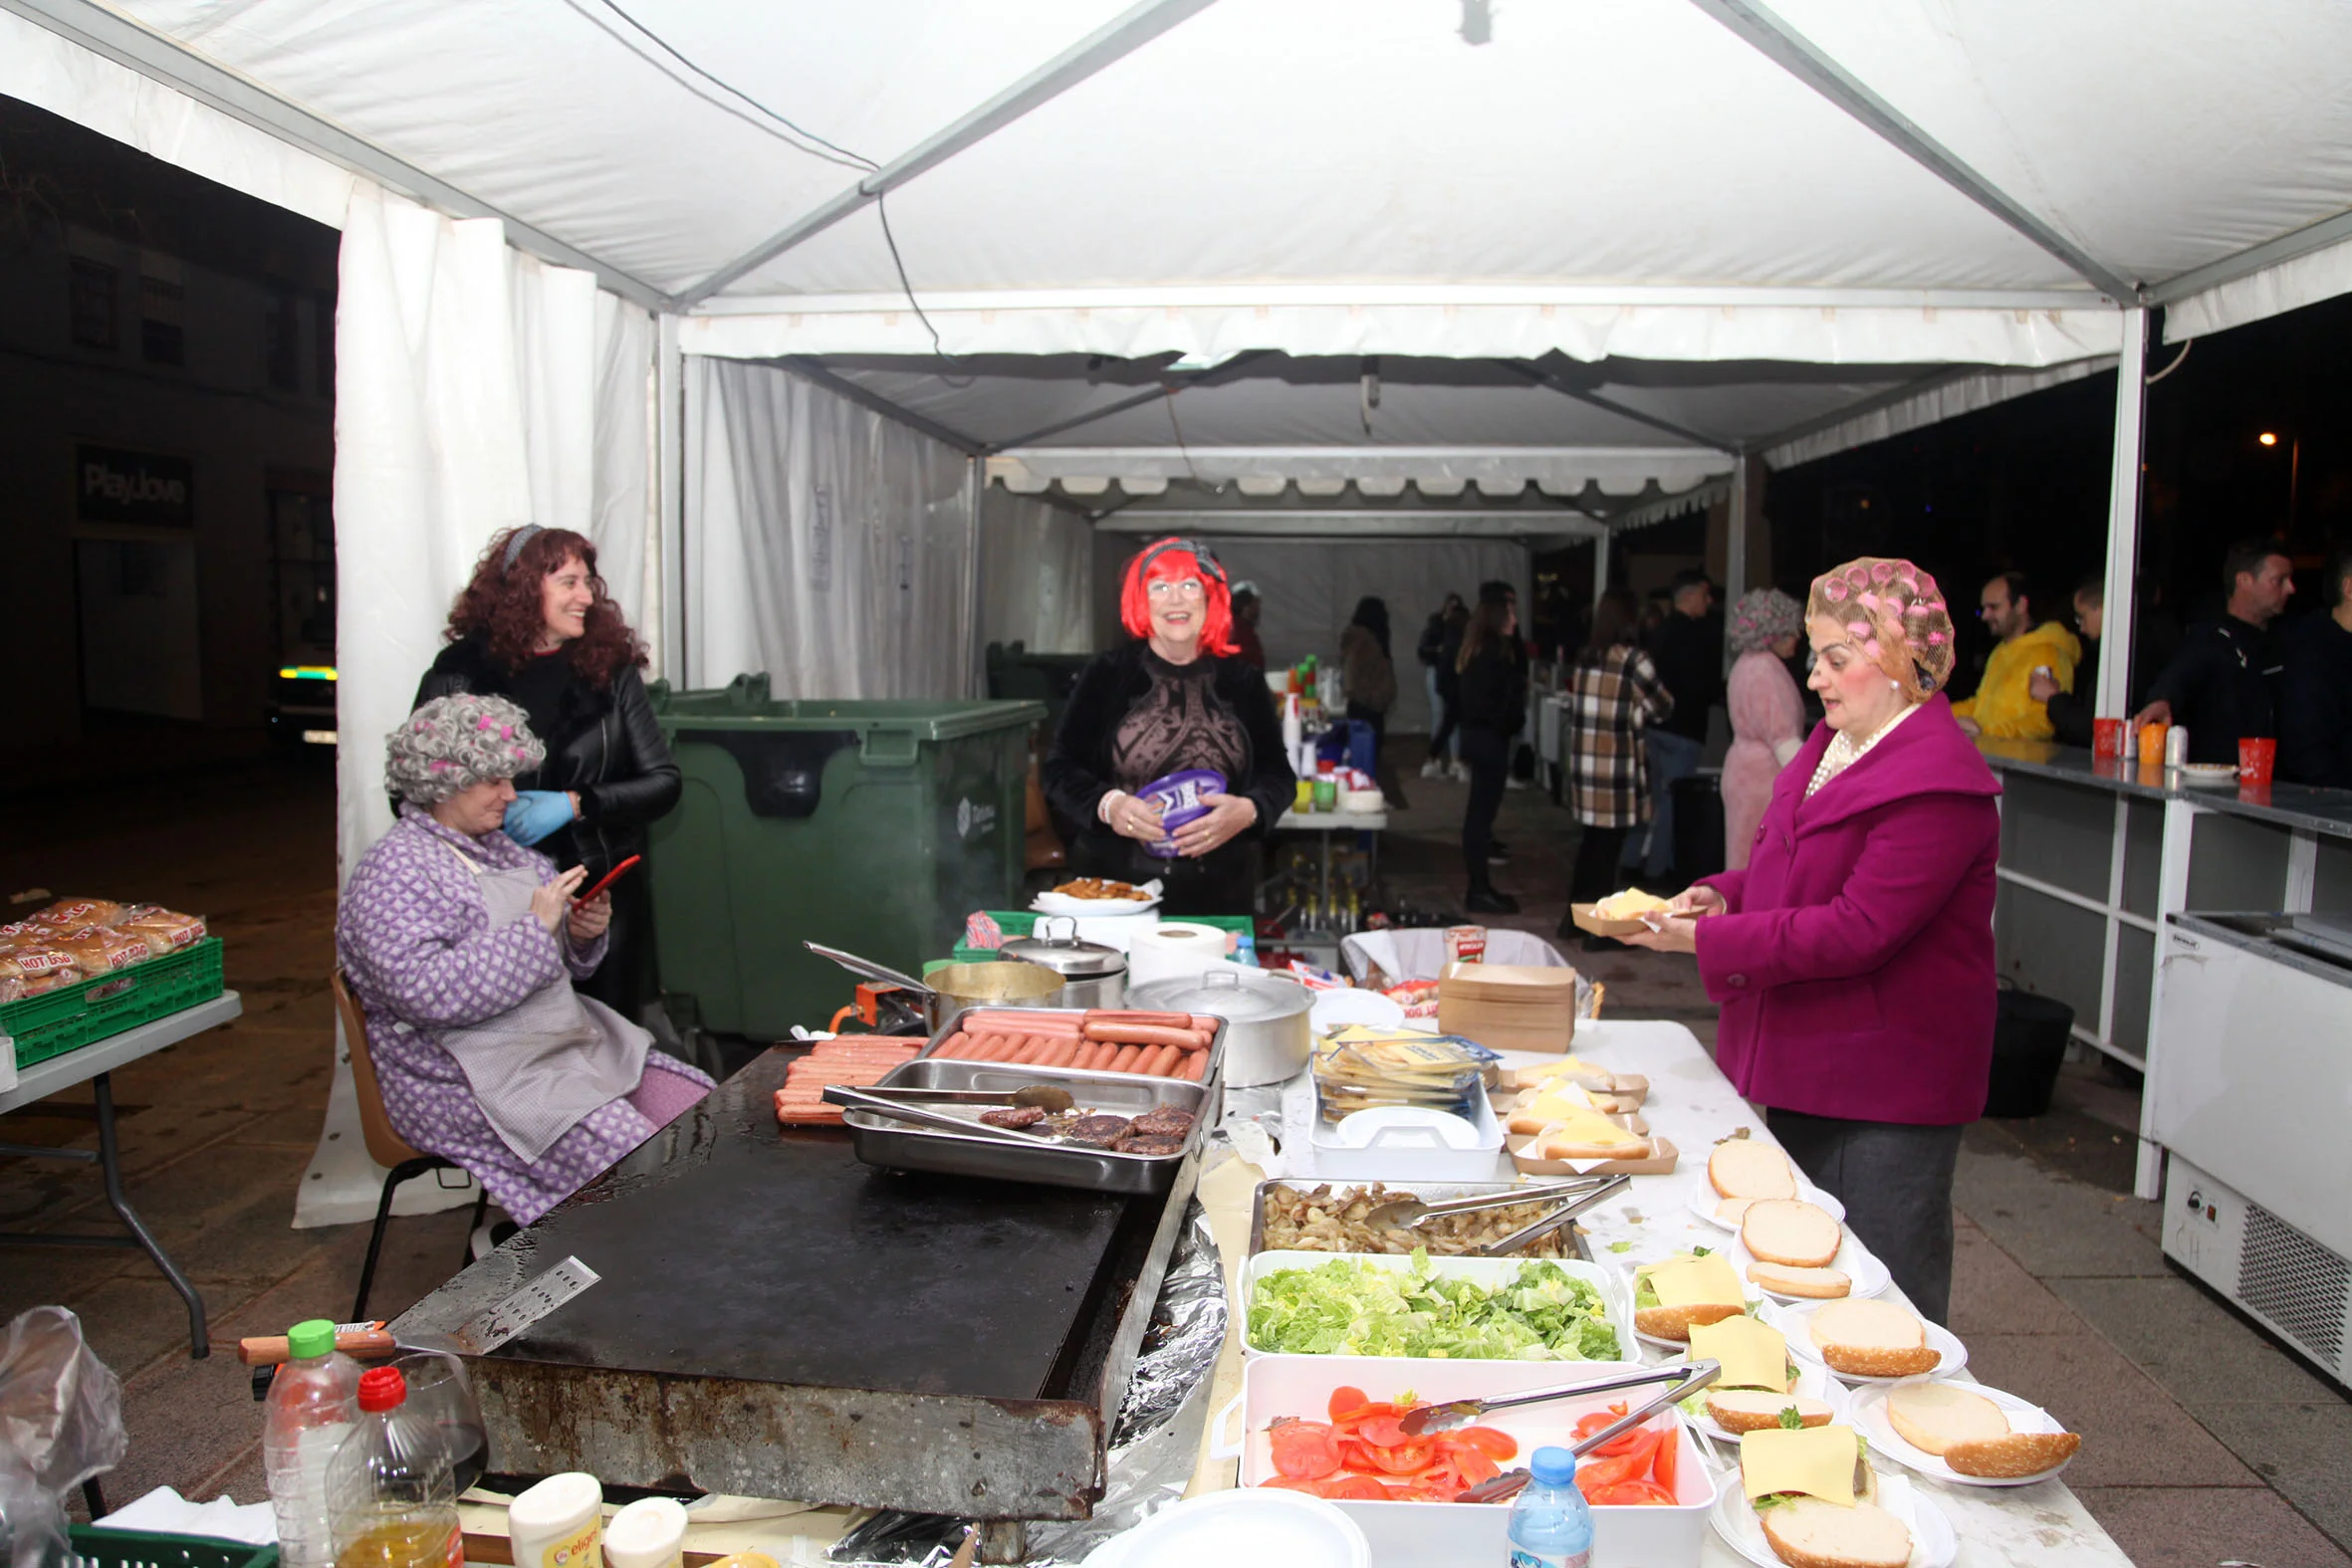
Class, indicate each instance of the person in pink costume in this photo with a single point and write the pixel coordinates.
(1767, 713)
(1853, 958)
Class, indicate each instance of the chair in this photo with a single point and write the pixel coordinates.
(384, 1146)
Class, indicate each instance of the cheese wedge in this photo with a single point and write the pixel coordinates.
(1696, 1281)
(1815, 1460)
(1561, 1121)
(1753, 1355)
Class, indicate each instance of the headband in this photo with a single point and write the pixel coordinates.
(515, 542)
(1198, 551)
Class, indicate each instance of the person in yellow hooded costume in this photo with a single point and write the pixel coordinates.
(2003, 705)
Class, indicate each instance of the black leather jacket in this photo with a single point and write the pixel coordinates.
(605, 746)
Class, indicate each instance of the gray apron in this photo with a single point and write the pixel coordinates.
(543, 1064)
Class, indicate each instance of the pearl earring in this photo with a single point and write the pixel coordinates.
(1894, 686)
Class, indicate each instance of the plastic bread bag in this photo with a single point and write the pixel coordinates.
(61, 1423)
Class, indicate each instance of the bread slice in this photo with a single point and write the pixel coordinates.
(1674, 1322)
(1820, 1284)
(1758, 1410)
(1730, 1210)
(1745, 1168)
(1873, 1339)
(1931, 1417)
(1791, 1230)
(1806, 1532)
(2019, 1454)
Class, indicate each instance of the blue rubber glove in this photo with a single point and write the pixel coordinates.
(534, 814)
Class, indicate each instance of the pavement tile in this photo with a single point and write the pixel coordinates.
(2302, 1447)
(2054, 1227)
(2200, 1527)
(1992, 1295)
(2202, 1353)
(2134, 1434)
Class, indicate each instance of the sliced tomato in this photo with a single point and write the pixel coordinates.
(1493, 1443)
(1292, 1483)
(1667, 1456)
(1303, 1448)
(1354, 1489)
(1345, 1402)
(1421, 1493)
(1588, 1424)
(1356, 1454)
(1383, 1431)
(1405, 1458)
(1640, 1438)
(1600, 1473)
(1629, 1494)
(1472, 1465)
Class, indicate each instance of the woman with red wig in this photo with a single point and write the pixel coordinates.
(536, 627)
(1176, 697)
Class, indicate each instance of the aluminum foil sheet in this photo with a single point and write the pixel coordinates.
(1154, 1441)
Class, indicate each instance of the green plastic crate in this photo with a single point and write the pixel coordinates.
(869, 826)
(92, 1547)
(1021, 922)
(90, 1011)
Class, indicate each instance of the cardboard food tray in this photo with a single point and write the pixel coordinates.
(1633, 1092)
(1587, 921)
(1660, 1160)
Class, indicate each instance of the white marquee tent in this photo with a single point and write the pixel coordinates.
(650, 268)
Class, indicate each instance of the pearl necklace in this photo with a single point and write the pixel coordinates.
(1844, 751)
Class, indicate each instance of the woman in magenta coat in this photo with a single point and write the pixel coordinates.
(1853, 957)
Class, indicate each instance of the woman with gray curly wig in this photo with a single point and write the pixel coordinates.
(1768, 712)
(461, 947)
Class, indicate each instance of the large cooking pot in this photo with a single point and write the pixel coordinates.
(952, 987)
(1266, 1039)
(1093, 973)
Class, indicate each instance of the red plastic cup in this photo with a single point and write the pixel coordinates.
(2107, 737)
(2256, 761)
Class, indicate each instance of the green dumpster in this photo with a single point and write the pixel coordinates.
(872, 826)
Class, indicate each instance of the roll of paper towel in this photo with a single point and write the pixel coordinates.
(1174, 950)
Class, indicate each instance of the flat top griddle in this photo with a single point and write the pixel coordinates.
(732, 1248)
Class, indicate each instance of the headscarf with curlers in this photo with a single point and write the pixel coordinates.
(1173, 560)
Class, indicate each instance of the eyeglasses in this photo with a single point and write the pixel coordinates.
(1182, 587)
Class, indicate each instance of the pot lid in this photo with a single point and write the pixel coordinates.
(1054, 944)
(1225, 993)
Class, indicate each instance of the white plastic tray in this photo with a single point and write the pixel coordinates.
(1409, 1154)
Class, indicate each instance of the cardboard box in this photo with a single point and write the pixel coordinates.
(1509, 1007)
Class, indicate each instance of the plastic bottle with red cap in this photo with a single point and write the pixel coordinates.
(390, 1489)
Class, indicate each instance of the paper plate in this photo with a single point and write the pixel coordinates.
(1345, 1004)
(1869, 1275)
(2208, 776)
(1796, 1323)
(1702, 1203)
(1933, 1543)
(1866, 1408)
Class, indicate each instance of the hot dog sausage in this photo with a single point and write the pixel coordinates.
(1125, 1061)
(1147, 1034)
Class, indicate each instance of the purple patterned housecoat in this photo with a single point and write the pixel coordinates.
(416, 947)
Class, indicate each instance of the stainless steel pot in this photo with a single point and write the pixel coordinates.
(1093, 974)
(1266, 1038)
(954, 986)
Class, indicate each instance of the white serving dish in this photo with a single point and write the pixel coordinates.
(1866, 1410)
(1447, 1534)
(1063, 904)
(1795, 1322)
(1391, 1149)
(1861, 1265)
(2208, 776)
(1702, 1203)
(1933, 1542)
(1346, 1005)
(1812, 1381)
(1364, 802)
(1616, 1302)
(1240, 1529)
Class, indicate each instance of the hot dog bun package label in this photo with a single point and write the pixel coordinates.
(1695, 1281)
(1817, 1462)
(1753, 1355)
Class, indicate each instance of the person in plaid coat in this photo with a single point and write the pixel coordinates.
(1613, 694)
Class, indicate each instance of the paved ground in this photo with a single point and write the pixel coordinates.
(2207, 1443)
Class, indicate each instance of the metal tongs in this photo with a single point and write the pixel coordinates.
(1405, 1213)
(878, 1105)
(1687, 1377)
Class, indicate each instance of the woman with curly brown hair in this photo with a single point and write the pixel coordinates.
(536, 627)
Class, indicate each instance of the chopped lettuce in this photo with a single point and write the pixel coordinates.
(1349, 1308)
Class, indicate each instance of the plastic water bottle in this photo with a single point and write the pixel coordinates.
(390, 1489)
(1550, 1526)
(314, 1403)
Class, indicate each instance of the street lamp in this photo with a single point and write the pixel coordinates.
(2294, 470)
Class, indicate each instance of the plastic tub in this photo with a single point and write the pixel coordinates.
(1447, 1534)
(1408, 1153)
(1615, 1294)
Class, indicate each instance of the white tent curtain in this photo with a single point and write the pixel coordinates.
(1036, 570)
(1948, 401)
(824, 545)
(476, 388)
(2290, 285)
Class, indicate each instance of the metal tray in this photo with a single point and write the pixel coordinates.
(879, 1141)
(1571, 1245)
(1213, 1074)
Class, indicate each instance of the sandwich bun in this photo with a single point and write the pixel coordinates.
(1931, 1417)
(1758, 1410)
(1730, 1210)
(1873, 1339)
(1745, 1168)
(1791, 1231)
(1806, 1532)
(1674, 1322)
(2019, 1453)
(1821, 1284)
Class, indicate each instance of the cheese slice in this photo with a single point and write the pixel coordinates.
(1697, 1281)
(1564, 1067)
(1581, 1124)
(1753, 1355)
(1817, 1461)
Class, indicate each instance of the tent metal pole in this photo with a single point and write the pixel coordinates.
(975, 662)
(2123, 519)
(669, 381)
(1601, 565)
(1105, 46)
(1735, 553)
(165, 59)
(2253, 259)
(1177, 383)
(1540, 376)
(1779, 42)
(840, 386)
